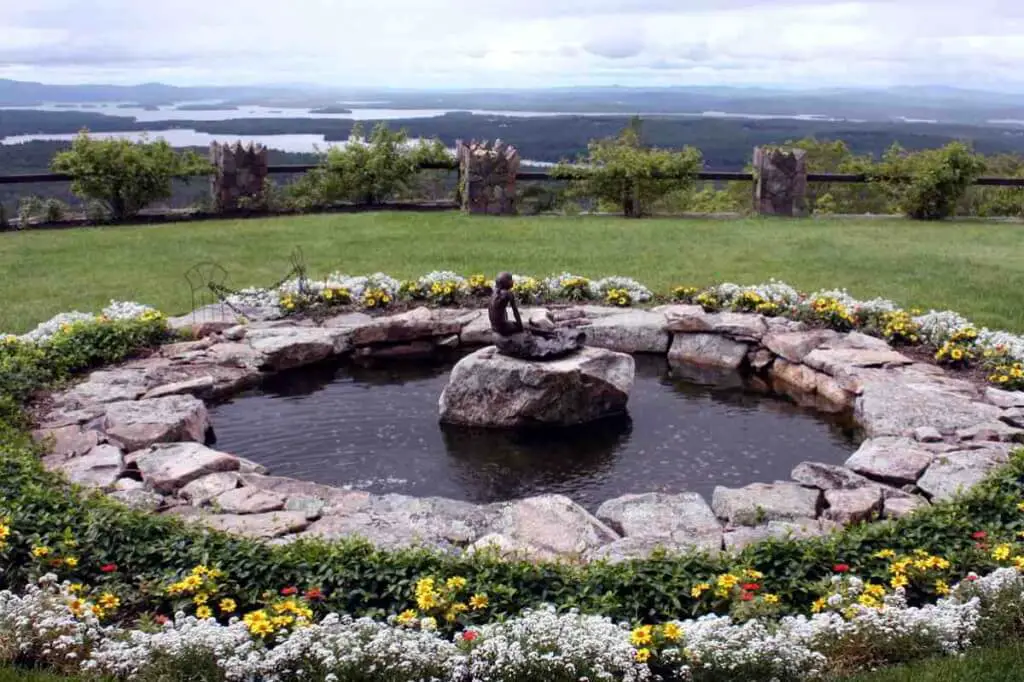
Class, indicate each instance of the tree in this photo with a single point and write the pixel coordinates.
(125, 176)
(927, 185)
(368, 171)
(621, 172)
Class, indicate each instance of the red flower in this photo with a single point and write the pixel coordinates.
(469, 635)
(314, 594)
(108, 568)
(979, 535)
(972, 578)
(841, 568)
(746, 596)
(751, 587)
(981, 545)
(289, 591)
(162, 619)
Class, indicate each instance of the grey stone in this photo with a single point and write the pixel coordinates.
(853, 506)
(419, 324)
(98, 468)
(507, 548)
(760, 359)
(553, 524)
(198, 386)
(348, 320)
(798, 377)
(141, 500)
(240, 355)
(489, 389)
(211, 319)
(693, 319)
(478, 331)
(633, 332)
(927, 434)
(1014, 417)
(760, 503)
(681, 520)
(899, 507)
(236, 333)
(840, 361)
(269, 525)
(740, 537)
(892, 460)
(312, 507)
(828, 477)
(707, 350)
(202, 490)
(247, 466)
(997, 431)
(956, 472)
(289, 347)
(780, 185)
(68, 441)
(138, 424)
(289, 487)
(110, 386)
(247, 501)
(794, 346)
(168, 468)
(640, 547)
(127, 484)
(410, 350)
(1004, 399)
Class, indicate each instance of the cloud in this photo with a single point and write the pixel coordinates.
(528, 43)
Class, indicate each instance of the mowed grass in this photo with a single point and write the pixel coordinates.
(983, 665)
(975, 268)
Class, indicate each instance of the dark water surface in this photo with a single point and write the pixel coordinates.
(377, 429)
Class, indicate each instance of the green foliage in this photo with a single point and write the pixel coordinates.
(927, 185)
(126, 176)
(29, 209)
(835, 156)
(620, 171)
(366, 170)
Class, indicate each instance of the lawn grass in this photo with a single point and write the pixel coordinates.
(976, 268)
(983, 665)
(25, 675)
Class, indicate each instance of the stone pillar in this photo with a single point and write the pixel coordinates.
(238, 172)
(780, 181)
(488, 175)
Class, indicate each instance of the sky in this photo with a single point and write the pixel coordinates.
(517, 43)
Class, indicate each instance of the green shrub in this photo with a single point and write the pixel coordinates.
(928, 185)
(623, 173)
(368, 171)
(29, 210)
(126, 176)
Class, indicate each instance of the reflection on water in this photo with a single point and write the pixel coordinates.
(377, 429)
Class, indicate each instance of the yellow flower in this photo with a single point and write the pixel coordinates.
(227, 606)
(641, 636)
(885, 554)
(76, 588)
(1018, 562)
(751, 574)
(40, 551)
(819, 605)
(941, 587)
(77, 607)
(899, 581)
(699, 589)
(109, 601)
(1020, 506)
(71, 562)
(429, 623)
(1001, 552)
(456, 583)
(426, 601)
(868, 601)
(770, 598)
(672, 632)
(727, 581)
(478, 602)
(643, 655)
(192, 582)
(876, 591)
(406, 617)
(200, 599)
(97, 610)
(204, 612)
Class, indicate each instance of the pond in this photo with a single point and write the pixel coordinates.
(376, 428)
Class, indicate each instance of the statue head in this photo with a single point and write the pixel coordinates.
(503, 282)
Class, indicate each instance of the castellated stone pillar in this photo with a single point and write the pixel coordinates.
(780, 181)
(488, 173)
(238, 171)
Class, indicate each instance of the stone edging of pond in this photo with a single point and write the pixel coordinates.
(136, 431)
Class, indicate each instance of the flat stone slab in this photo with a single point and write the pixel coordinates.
(1004, 399)
(169, 468)
(202, 490)
(828, 476)
(140, 500)
(290, 347)
(68, 441)
(98, 468)
(681, 520)
(640, 547)
(421, 323)
(847, 506)
(269, 525)
(633, 332)
(138, 424)
(489, 389)
(760, 503)
(693, 319)
(899, 507)
(553, 524)
(707, 350)
(247, 501)
(198, 386)
(897, 461)
(794, 346)
(957, 472)
(740, 537)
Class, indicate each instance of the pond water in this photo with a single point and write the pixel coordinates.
(377, 429)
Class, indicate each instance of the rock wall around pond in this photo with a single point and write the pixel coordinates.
(136, 431)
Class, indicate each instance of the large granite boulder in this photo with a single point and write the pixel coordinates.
(489, 389)
(897, 461)
(707, 350)
(168, 468)
(136, 424)
(679, 521)
(957, 472)
(289, 347)
(550, 526)
(760, 503)
(99, 468)
(633, 332)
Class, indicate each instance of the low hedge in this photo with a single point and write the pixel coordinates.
(41, 508)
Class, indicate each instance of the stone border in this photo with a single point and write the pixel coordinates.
(136, 431)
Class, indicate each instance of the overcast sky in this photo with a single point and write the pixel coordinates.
(516, 43)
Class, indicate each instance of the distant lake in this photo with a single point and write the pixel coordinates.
(194, 138)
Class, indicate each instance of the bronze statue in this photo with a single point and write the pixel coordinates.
(529, 342)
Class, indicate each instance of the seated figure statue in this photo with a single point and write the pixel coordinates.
(526, 342)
